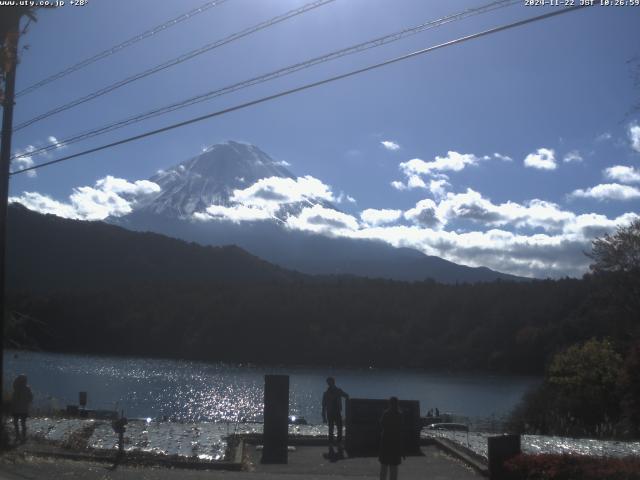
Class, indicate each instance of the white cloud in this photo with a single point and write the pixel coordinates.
(282, 163)
(375, 217)
(438, 187)
(424, 214)
(122, 186)
(504, 158)
(109, 197)
(415, 182)
(24, 160)
(44, 204)
(235, 213)
(624, 174)
(271, 192)
(266, 198)
(23, 157)
(319, 219)
(634, 136)
(95, 204)
(416, 168)
(540, 254)
(453, 161)
(543, 159)
(54, 141)
(472, 206)
(389, 145)
(502, 236)
(608, 191)
(603, 137)
(556, 252)
(343, 197)
(572, 157)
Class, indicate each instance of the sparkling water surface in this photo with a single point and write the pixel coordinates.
(189, 408)
(218, 392)
(535, 444)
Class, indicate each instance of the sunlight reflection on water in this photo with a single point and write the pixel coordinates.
(207, 440)
(198, 391)
(204, 440)
(536, 444)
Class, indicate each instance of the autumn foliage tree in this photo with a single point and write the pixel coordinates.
(593, 387)
(8, 17)
(616, 264)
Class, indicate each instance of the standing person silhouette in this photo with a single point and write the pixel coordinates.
(20, 402)
(332, 408)
(391, 444)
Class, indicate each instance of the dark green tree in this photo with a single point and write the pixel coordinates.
(584, 379)
(618, 252)
(579, 394)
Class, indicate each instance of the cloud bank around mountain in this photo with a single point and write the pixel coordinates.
(109, 196)
(535, 238)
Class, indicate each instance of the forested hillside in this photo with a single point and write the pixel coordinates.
(174, 299)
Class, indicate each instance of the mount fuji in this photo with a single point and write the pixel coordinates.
(212, 180)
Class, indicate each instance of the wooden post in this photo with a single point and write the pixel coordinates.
(11, 50)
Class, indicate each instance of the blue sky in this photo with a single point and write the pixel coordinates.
(510, 151)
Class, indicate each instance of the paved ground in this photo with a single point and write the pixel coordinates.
(315, 463)
(320, 462)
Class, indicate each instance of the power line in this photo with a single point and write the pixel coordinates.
(307, 86)
(127, 43)
(386, 39)
(175, 61)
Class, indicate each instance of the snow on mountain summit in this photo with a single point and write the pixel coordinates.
(235, 194)
(210, 179)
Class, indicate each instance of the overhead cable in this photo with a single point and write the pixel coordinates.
(116, 48)
(174, 61)
(307, 86)
(360, 47)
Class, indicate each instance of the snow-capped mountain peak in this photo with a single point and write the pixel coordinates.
(210, 179)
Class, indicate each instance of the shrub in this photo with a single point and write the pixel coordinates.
(572, 467)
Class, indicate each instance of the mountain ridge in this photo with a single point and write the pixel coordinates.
(212, 177)
(79, 254)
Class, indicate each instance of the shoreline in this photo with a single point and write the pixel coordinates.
(280, 366)
(210, 442)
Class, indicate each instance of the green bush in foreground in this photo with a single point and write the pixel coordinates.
(572, 467)
(579, 395)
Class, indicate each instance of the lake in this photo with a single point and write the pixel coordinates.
(204, 401)
(219, 392)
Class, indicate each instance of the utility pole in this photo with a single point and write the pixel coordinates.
(11, 33)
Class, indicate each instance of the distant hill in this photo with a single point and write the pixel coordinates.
(211, 178)
(46, 252)
(97, 288)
